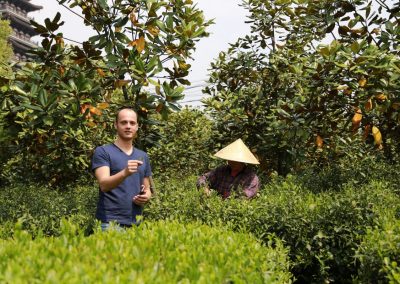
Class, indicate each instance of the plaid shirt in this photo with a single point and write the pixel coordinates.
(221, 180)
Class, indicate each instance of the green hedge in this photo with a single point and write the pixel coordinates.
(155, 252)
(40, 208)
(349, 170)
(322, 230)
(186, 145)
(379, 253)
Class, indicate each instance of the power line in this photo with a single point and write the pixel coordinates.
(73, 12)
(196, 86)
(190, 101)
(200, 80)
(72, 40)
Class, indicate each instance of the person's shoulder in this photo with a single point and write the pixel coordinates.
(107, 146)
(103, 148)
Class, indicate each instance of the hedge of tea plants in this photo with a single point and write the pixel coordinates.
(341, 235)
(40, 208)
(323, 230)
(379, 253)
(154, 252)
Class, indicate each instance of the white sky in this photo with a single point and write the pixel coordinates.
(229, 25)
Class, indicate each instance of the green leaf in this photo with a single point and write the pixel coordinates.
(103, 4)
(18, 90)
(355, 47)
(32, 107)
(95, 38)
(48, 120)
(122, 37)
(389, 26)
(324, 51)
(56, 18)
(121, 22)
(42, 97)
(153, 82)
(72, 85)
(170, 22)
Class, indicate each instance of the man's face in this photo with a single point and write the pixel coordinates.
(126, 124)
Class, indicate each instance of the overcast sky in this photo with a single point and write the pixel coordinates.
(229, 24)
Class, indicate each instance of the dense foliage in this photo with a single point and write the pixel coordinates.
(60, 107)
(186, 146)
(322, 230)
(162, 252)
(315, 80)
(379, 253)
(37, 208)
(331, 230)
(5, 48)
(314, 91)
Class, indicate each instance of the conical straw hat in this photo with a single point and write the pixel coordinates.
(237, 151)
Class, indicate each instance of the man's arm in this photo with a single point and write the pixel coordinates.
(108, 182)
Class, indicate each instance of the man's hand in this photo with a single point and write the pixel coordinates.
(142, 198)
(132, 167)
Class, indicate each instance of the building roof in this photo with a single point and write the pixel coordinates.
(20, 22)
(23, 44)
(26, 5)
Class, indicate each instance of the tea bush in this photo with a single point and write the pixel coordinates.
(185, 146)
(40, 208)
(349, 170)
(155, 252)
(322, 230)
(379, 253)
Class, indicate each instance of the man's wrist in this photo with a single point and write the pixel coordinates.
(125, 173)
(148, 194)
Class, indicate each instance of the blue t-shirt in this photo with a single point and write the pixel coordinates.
(116, 204)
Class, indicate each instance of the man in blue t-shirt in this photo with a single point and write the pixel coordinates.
(123, 173)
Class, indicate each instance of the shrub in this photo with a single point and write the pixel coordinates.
(186, 146)
(156, 252)
(357, 171)
(40, 208)
(321, 230)
(379, 253)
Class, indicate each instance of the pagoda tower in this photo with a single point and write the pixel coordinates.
(16, 11)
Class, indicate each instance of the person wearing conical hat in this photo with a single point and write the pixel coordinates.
(236, 176)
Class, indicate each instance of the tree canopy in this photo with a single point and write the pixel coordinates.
(315, 80)
(58, 108)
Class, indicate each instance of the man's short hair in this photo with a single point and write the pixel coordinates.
(122, 108)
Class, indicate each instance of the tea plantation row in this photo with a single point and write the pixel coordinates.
(349, 235)
(155, 252)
